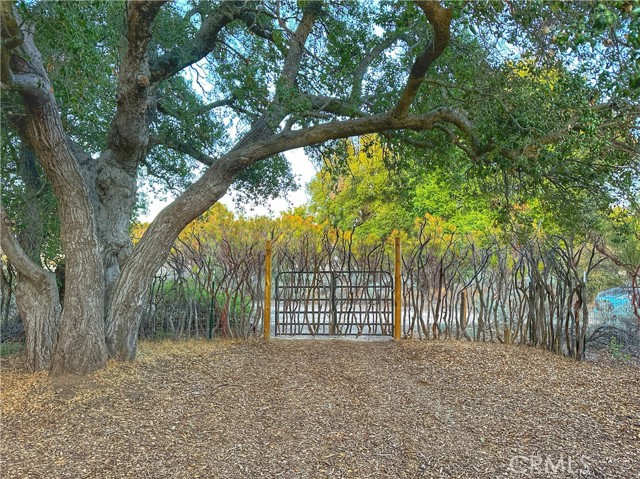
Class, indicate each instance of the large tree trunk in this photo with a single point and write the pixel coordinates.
(39, 309)
(37, 299)
(32, 215)
(128, 297)
(117, 197)
(80, 347)
(127, 144)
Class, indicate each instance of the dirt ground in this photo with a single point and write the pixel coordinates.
(324, 408)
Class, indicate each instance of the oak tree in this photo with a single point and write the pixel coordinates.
(231, 85)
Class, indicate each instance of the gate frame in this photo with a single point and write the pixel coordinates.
(396, 285)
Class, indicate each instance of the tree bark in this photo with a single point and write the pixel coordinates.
(39, 308)
(127, 143)
(128, 297)
(80, 347)
(36, 297)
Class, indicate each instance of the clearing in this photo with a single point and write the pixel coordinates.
(325, 408)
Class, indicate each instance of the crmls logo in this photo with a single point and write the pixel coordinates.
(549, 465)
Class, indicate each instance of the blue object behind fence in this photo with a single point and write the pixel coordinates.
(614, 300)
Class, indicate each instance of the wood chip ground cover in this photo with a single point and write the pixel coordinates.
(326, 408)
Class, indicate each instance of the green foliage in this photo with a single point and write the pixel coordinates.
(358, 193)
(542, 83)
(184, 289)
(266, 180)
(9, 349)
(616, 350)
(447, 193)
(29, 199)
(80, 45)
(188, 289)
(624, 234)
(552, 148)
(599, 38)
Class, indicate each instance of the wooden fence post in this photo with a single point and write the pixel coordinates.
(462, 322)
(267, 293)
(397, 319)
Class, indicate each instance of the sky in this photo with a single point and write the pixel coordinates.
(302, 168)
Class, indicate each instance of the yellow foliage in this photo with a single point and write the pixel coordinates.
(527, 69)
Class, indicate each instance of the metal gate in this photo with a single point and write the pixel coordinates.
(358, 303)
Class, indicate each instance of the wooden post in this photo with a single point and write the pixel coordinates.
(334, 310)
(463, 312)
(211, 306)
(267, 293)
(397, 320)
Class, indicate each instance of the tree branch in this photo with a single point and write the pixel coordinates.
(361, 69)
(456, 141)
(16, 255)
(17, 72)
(11, 37)
(128, 134)
(198, 111)
(203, 43)
(269, 121)
(354, 127)
(333, 105)
(440, 19)
(296, 46)
(181, 147)
(156, 243)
